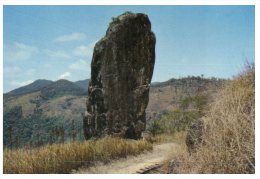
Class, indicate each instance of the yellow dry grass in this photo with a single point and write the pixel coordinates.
(63, 158)
(177, 137)
(24, 101)
(229, 136)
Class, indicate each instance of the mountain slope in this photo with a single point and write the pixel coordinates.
(83, 84)
(61, 88)
(32, 87)
(167, 96)
(32, 117)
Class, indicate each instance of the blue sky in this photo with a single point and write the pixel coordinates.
(55, 42)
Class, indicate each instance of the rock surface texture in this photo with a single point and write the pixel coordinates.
(121, 71)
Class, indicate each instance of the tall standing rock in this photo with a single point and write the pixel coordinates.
(121, 71)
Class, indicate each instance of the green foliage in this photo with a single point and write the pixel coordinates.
(37, 129)
(35, 86)
(190, 109)
(61, 88)
(197, 102)
(27, 120)
(156, 128)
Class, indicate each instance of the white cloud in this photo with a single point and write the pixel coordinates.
(21, 83)
(57, 54)
(21, 51)
(64, 75)
(80, 65)
(71, 37)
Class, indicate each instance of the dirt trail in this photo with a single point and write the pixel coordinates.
(132, 164)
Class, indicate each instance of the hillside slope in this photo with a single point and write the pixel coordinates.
(33, 118)
(62, 103)
(167, 96)
(32, 87)
(83, 84)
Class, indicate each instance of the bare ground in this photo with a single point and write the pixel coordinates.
(132, 164)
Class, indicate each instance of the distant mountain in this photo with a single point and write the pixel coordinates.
(190, 80)
(83, 84)
(32, 87)
(62, 88)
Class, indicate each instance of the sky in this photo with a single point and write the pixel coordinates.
(56, 42)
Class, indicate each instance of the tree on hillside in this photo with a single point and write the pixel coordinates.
(73, 131)
(10, 132)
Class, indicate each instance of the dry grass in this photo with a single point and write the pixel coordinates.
(229, 136)
(23, 101)
(63, 158)
(177, 137)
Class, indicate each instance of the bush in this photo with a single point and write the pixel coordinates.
(156, 128)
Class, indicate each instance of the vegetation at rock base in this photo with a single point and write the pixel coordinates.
(63, 158)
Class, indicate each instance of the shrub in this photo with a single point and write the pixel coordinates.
(156, 128)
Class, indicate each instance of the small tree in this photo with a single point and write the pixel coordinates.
(73, 131)
(17, 141)
(10, 132)
(62, 134)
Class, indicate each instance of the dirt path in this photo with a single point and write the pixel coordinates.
(132, 164)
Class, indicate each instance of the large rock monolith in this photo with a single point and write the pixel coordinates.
(121, 71)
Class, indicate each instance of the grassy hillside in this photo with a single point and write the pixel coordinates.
(35, 86)
(229, 136)
(182, 100)
(43, 124)
(167, 96)
(51, 114)
(25, 101)
(173, 125)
